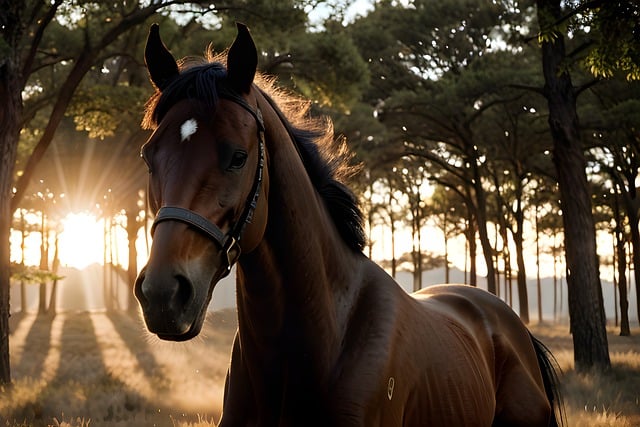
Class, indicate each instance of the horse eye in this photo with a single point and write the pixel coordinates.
(238, 159)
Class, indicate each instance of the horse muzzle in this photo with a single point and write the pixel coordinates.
(172, 306)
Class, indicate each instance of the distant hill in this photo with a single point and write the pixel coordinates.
(83, 290)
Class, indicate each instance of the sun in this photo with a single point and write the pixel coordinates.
(81, 240)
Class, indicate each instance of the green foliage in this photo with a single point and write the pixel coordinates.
(606, 33)
(100, 110)
(616, 29)
(332, 71)
(30, 274)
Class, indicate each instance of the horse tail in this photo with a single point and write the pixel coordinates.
(549, 368)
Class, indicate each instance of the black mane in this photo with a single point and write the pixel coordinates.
(325, 160)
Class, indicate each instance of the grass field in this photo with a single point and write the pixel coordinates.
(102, 369)
(593, 399)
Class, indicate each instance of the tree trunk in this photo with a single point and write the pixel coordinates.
(632, 214)
(53, 299)
(132, 268)
(106, 288)
(483, 234)
(586, 308)
(416, 254)
(523, 296)
(621, 261)
(473, 248)
(369, 218)
(501, 231)
(394, 261)
(538, 281)
(518, 238)
(625, 330)
(44, 265)
(10, 119)
(446, 250)
(392, 224)
(554, 251)
(23, 285)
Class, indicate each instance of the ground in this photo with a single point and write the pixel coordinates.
(103, 369)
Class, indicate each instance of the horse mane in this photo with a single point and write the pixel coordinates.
(326, 160)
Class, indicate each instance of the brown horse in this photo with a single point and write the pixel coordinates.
(240, 173)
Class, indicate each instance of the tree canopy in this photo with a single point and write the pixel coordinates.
(451, 92)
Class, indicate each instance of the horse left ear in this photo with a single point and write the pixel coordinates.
(242, 60)
(161, 64)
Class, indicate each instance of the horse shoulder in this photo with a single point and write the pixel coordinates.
(360, 375)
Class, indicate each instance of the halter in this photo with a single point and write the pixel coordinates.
(229, 242)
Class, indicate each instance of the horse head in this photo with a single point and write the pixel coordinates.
(207, 181)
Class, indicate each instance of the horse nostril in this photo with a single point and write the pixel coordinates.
(137, 289)
(172, 292)
(184, 292)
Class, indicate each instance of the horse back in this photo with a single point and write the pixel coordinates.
(500, 345)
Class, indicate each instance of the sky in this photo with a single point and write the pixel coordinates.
(355, 9)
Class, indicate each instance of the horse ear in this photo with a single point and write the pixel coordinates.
(160, 63)
(242, 60)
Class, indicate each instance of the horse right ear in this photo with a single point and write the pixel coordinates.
(161, 64)
(242, 60)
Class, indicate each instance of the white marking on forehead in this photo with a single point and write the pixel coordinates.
(187, 129)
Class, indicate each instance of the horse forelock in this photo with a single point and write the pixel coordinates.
(326, 159)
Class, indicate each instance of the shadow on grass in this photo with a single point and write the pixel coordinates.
(81, 384)
(131, 330)
(14, 321)
(36, 346)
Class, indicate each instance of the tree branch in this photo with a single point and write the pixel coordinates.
(37, 38)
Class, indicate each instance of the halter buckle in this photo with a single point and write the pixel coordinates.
(232, 258)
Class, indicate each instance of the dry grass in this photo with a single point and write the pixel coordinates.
(598, 399)
(98, 369)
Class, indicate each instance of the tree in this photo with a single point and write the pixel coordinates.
(411, 175)
(448, 214)
(511, 133)
(613, 120)
(24, 25)
(586, 308)
(621, 266)
(93, 34)
(421, 59)
(11, 28)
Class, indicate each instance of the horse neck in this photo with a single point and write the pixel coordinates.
(302, 271)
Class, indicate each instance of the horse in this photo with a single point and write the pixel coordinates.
(240, 174)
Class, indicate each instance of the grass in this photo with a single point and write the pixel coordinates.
(596, 399)
(101, 369)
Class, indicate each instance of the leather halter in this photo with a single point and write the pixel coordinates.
(229, 243)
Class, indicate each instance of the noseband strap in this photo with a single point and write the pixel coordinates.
(191, 218)
(229, 242)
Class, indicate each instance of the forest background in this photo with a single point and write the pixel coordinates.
(503, 122)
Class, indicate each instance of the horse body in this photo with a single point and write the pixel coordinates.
(325, 337)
